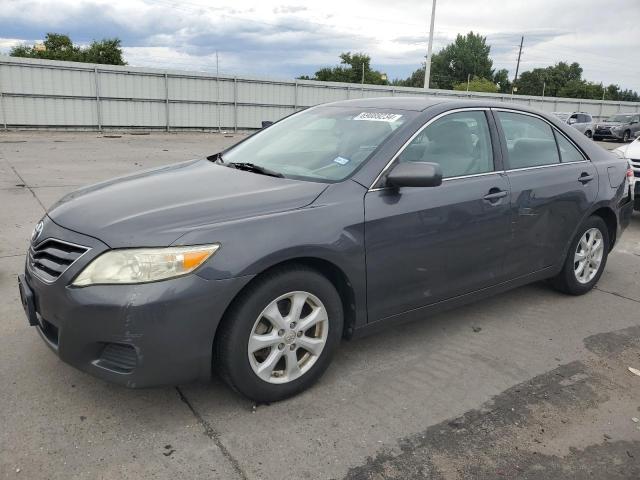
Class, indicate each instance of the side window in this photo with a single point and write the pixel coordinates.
(530, 141)
(635, 119)
(568, 152)
(587, 118)
(459, 142)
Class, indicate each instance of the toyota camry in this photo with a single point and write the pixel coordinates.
(257, 261)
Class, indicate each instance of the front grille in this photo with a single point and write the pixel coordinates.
(118, 357)
(51, 258)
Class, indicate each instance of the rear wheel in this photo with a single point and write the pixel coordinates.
(280, 334)
(586, 258)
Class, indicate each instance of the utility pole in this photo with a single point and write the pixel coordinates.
(518, 65)
(427, 67)
(362, 73)
(468, 78)
(544, 84)
(218, 91)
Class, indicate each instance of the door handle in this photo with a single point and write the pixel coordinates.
(495, 194)
(585, 178)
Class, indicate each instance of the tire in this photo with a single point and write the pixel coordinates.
(626, 136)
(588, 134)
(567, 280)
(272, 296)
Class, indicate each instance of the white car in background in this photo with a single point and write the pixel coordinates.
(631, 151)
(581, 121)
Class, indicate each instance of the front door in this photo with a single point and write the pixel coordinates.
(425, 245)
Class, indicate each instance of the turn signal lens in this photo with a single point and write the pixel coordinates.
(140, 265)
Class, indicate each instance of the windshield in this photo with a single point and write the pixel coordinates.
(324, 144)
(619, 118)
(562, 116)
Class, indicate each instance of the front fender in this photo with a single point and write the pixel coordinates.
(330, 229)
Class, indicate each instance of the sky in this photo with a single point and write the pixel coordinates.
(289, 38)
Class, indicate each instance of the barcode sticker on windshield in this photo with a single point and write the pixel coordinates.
(378, 117)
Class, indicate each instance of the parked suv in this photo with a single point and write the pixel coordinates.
(581, 121)
(621, 126)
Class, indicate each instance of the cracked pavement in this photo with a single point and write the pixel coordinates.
(528, 384)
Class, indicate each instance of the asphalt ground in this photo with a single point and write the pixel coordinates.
(528, 384)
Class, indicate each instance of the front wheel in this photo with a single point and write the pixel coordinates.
(588, 134)
(586, 258)
(626, 136)
(280, 334)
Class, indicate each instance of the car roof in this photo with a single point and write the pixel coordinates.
(419, 104)
(415, 103)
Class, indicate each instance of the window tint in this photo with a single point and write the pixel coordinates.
(568, 152)
(585, 118)
(459, 142)
(530, 141)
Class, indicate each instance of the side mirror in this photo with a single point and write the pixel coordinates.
(572, 121)
(415, 174)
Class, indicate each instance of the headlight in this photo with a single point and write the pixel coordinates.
(139, 265)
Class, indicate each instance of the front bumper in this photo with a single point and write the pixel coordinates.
(608, 134)
(136, 335)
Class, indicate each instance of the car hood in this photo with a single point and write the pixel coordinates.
(156, 207)
(610, 124)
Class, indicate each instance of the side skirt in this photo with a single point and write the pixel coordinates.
(444, 305)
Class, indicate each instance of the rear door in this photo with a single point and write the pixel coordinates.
(553, 186)
(427, 244)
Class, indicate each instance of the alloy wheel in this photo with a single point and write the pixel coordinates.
(588, 255)
(288, 337)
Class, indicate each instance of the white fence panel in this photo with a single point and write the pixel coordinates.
(49, 94)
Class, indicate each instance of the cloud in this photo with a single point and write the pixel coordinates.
(278, 39)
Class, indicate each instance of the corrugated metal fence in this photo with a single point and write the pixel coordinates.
(50, 94)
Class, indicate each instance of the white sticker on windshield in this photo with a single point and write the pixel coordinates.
(378, 117)
(341, 160)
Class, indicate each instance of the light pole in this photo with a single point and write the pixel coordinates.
(427, 67)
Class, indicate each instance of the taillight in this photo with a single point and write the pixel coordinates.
(629, 172)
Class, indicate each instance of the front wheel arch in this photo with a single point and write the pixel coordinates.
(331, 271)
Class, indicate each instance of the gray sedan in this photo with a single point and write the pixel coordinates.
(329, 224)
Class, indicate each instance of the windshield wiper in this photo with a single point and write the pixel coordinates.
(216, 158)
(250, 167)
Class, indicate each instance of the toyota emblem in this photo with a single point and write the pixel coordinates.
(37, 231)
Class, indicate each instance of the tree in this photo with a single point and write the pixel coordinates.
(57, 46)
(350, 70)
(467, 55)
(553, 78)
(501, 79)
(416, 79)
(478, 84)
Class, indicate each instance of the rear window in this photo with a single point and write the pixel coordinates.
(530, 140)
